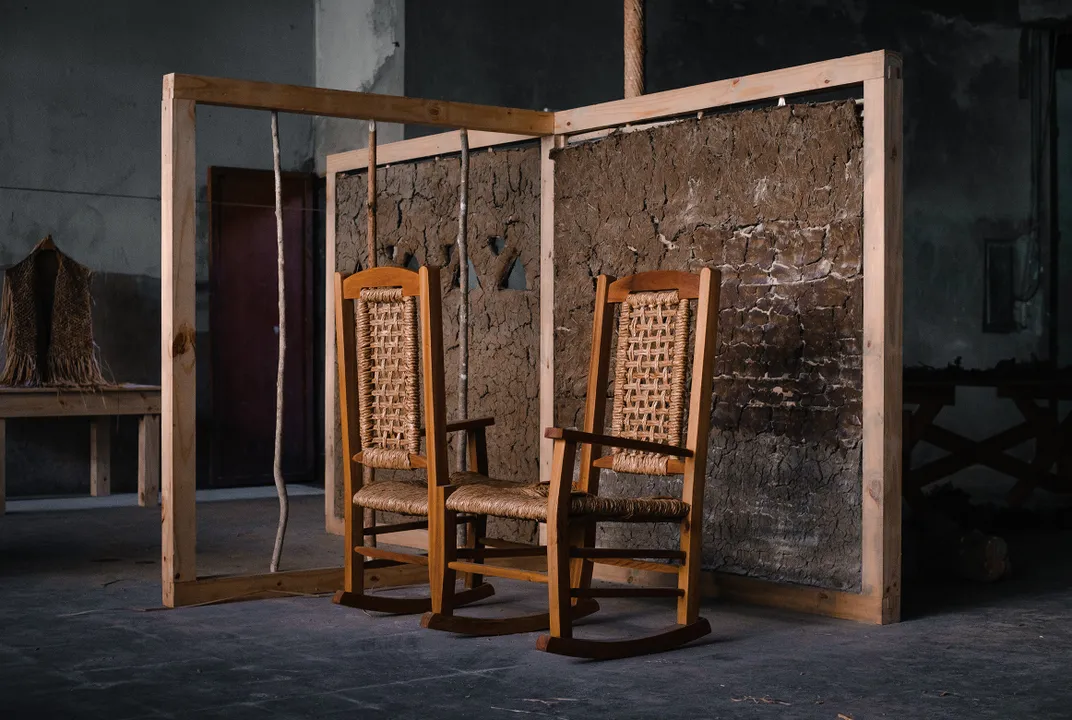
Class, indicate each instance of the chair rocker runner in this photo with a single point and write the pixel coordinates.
(648, 413)
(378, 346)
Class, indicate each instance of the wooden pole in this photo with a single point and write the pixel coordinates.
(634, 48)
(463, 285)
(277, 461)
(368, 475)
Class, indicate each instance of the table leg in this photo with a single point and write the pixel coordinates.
(100, 456)
(149, 461)
(3, 466)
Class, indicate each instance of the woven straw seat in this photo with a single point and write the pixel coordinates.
(408, 497)
(528, 501)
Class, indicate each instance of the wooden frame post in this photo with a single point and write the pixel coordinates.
(178, 363)
(177, 338)
(883, 338)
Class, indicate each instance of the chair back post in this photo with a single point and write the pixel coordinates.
(692, 491)
(349, 412)
(435, 413)
(595, 404)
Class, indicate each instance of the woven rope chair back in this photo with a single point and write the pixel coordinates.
(649, 377)
(387, 377)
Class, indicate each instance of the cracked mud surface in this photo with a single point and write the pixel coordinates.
(417, 218)
(774, 198)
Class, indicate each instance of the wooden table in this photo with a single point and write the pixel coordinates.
(100, 405)
(1033, 393)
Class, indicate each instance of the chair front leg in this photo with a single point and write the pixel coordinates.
(442, 550)
(476, 443)
(558, 539)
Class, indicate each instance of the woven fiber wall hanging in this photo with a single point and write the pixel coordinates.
(46, 313)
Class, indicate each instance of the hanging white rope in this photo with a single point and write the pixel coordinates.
(463, 286)
(277, 464)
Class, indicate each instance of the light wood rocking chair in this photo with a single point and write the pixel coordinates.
(647, 417)
(379, 349)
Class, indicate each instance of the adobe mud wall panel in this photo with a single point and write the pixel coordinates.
(774, 198)
(417, 219)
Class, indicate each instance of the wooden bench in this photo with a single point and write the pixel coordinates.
(99, 404)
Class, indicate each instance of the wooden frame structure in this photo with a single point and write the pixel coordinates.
(879, 75)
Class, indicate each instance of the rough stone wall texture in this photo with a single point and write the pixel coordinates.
(774, 198)
(417, 224)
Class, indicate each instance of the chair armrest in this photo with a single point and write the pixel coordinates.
(579, 437)
(467, 424)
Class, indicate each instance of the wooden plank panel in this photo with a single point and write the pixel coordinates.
(419, 148)
(349, 104)
(177, 337)
(149, 461)
(882, 371)
(100, 456)
(750, 88)
(52, 402)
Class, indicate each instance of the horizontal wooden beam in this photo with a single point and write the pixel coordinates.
(419, 148)
(750, 88)
(356, 105)
(54, 402)
(798, 598)
(225, 588)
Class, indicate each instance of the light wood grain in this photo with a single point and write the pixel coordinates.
(349, 414)
(56, 402)
(750, 88)
(687, 284)
(883, 337)
(419, 148)
(381, 277)
(692, 491)
(178, 321)
(303, 100)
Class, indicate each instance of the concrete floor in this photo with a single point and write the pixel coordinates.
(80, 638)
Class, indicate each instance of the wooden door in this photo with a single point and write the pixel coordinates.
(243, 326)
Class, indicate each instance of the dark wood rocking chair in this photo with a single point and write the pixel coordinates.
(379, 349)
(646, 437)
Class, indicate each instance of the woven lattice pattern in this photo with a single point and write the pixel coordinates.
(649, 376)
(409, 496)
(387, 377)
(480, 495)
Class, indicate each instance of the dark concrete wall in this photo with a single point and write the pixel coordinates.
(774, 199)
(967, 126)
(80, 158)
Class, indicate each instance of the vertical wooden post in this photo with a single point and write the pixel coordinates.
(177, 336)
(332, 523)
(883, 337)
(703, 369)
(353, 571)
(547, 298)
(100, 456)
(148, 460)
(368, 475)
(634, 48)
